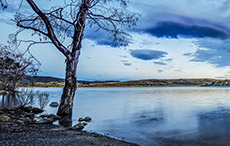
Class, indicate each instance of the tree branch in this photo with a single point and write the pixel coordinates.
(50, 30)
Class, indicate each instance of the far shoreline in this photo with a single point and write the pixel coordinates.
(137, 83)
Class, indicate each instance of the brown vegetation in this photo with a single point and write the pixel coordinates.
(140, 83)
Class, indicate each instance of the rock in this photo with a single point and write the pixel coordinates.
(20, 122)
(27, 109)
(44, 121)
(4, 118)
(28, 120)
(31, 115)
(80, 119)
(78, 126)
(85, 123)
(37, 110)
(54, 104)
(87, 119)
(16, 130)
(4, 92)
(45, 115)
(55, 117)
(6, 109)
(1, 112)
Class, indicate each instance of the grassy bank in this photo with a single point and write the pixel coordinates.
(138, 83)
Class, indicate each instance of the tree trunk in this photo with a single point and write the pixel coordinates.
(70, 87)
(66, 105)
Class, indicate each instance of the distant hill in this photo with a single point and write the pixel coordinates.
(162, 82)
(46, 81)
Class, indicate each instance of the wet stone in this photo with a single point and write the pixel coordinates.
(37, 110)
(44, 121)
(27, 109)
(78, 126)
(55, 117)
(4, 118)
(54, 104)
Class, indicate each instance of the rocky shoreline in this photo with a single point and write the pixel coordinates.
(27, 126)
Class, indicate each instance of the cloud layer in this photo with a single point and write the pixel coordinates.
(212, 51)
(176, 29)
(147, 54)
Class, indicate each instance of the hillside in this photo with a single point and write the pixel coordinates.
(45, 81)
(163, 82)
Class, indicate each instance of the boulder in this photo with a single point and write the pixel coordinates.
(28, 120)
(55, 117)
(44, 121)
(37, 110)
(27, 109)
(87, 119)
(54, 104)
(30, 115)
(78, 126)
(4, 92)
(80, 119)
(85, 123)
(44, 115)
(4, 118)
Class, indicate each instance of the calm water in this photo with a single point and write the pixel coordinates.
(145, 115)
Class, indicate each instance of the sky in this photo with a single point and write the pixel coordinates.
(173, 39)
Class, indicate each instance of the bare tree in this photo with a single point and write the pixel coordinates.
(43, 99)
(14, 67)
(69, 20)
(27, 97)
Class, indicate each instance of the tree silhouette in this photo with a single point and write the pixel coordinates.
(14, 67)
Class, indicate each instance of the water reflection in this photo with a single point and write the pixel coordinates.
(214, 123)
(30, 98)
(8, 101)
(154, 116)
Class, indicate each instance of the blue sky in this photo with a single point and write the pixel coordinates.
(173, 39)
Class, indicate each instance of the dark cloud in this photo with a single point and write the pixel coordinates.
(124, 61)
(148, 54)
(102, 37)
(99, 38)
(123, 56)
(175, 29)
(127, 64)
(160, 63)
(187, 54)
(168, 60)
(213, 51)
(219, 58)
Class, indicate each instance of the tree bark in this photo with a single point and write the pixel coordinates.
(66, 105)
(70, 87)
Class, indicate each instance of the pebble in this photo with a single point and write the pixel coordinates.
(4, 118)
(54, 104)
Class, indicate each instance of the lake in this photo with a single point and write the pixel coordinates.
(154, 115)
